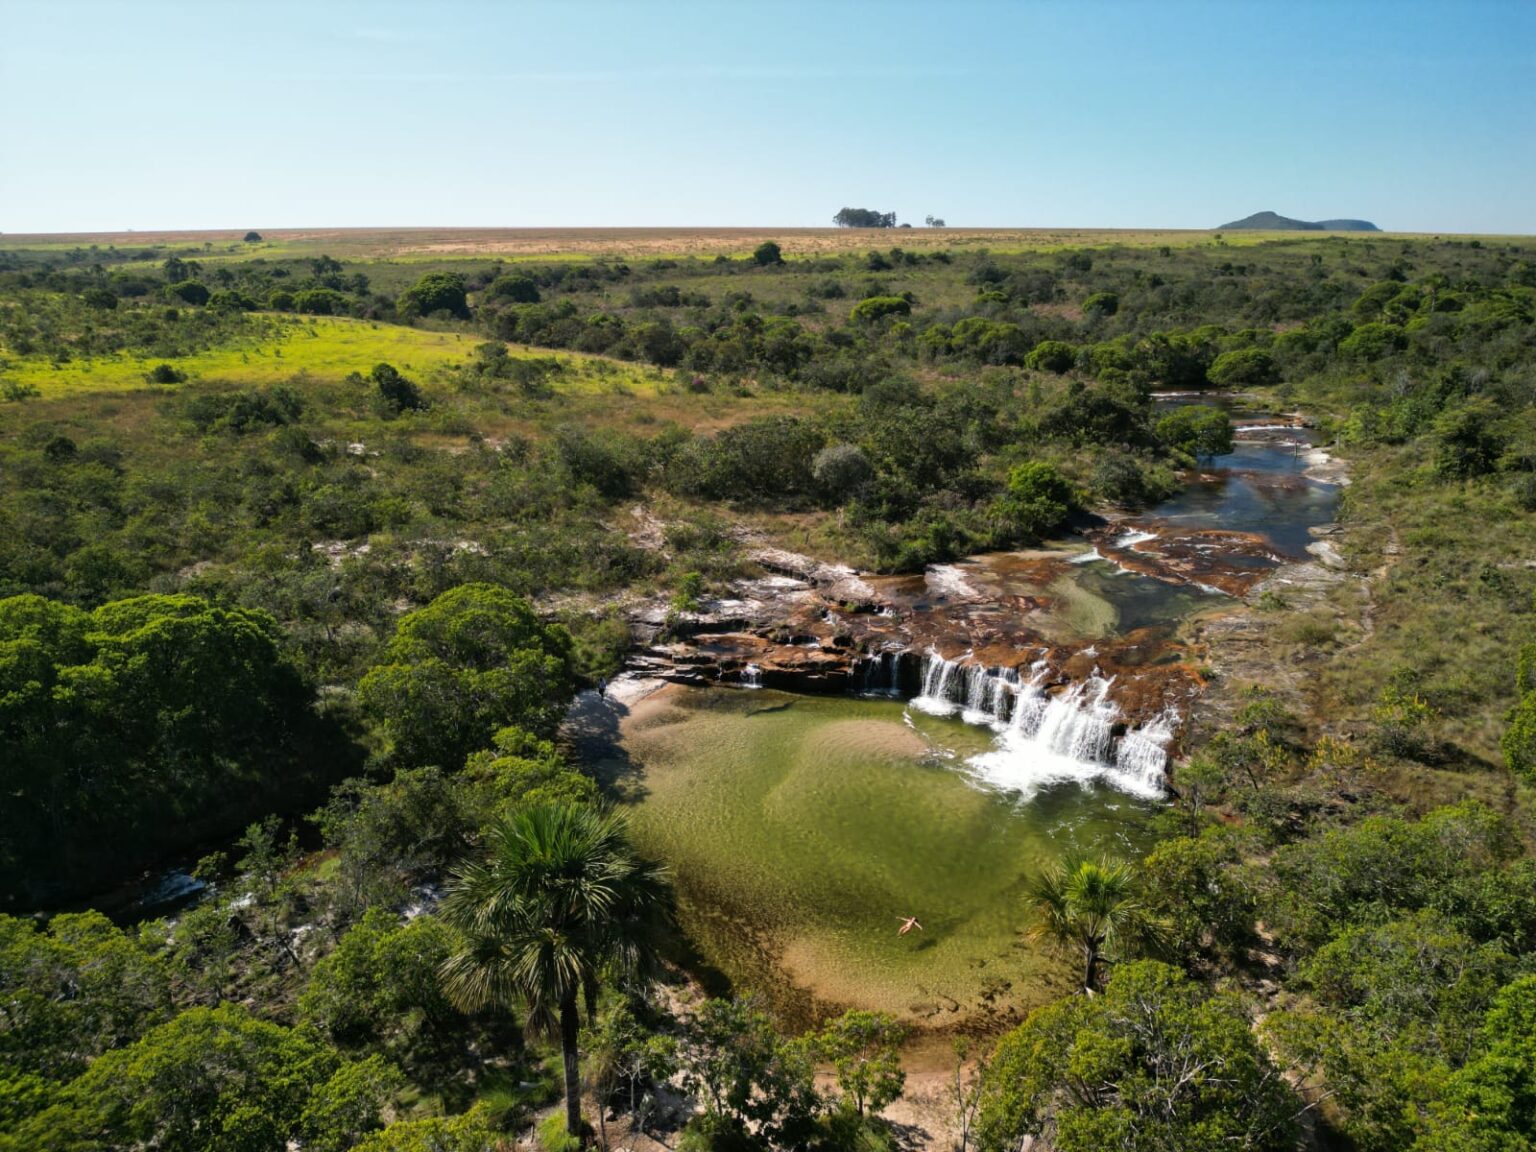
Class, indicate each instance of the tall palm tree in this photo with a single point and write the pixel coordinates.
(559, 901)
(1091, 907)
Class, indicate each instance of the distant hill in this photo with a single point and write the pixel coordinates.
(1274, 222)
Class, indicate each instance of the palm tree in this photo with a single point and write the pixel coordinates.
(559, 901)
(1091, 907)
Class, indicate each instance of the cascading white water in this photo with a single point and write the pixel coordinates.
(1142, 753)
(881, 675)
(1044, 738)
(935, 697)
(751, 676)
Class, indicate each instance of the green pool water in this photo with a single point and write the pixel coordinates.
(801, 830)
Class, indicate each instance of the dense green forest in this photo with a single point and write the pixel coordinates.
(318, 629)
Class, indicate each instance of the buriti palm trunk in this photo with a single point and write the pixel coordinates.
(570, 1024)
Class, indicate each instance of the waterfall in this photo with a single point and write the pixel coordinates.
(1142, 754)
(1045, 738)
(881, 675)
(935, 698)
(751, 676)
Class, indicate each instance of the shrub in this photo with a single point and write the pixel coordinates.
(1101, 304)
(1519, 742)
(1052, 356)
(1243, 367)
(396, 393)
(768, 253)
(165, 374)
(878, 308)
(436, 292)
(188, 292)
(518, 289)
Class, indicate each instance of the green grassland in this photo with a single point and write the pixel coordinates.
(323, 348)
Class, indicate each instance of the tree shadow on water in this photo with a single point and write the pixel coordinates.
(592, 734)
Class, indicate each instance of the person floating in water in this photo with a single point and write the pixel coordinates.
(907, 924)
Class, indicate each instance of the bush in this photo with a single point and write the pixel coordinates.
(1244, 367)
(1101, 304)
(767, 253)
(188, 292)
(840, 471)
(1196, 430)
(165, 374)
(1519, 742)
(319, 302)
(518, 289)
(1052, 356)
(877, 308)
(396, 393)
(436, 292)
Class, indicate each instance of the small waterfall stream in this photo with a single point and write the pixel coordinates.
(1043, 737)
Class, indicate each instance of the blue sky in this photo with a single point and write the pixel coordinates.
(162, 114)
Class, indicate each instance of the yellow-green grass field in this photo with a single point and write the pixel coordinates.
(320, 348)
(513, 244)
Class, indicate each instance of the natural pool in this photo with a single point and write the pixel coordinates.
(801, 830)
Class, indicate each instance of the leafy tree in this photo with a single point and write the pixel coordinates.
(73, 990)
(380, 985)
(165, 374)
(1203, 901)
(1197, 430)
(623, 1053)
(252, 237)
(320, 302)
(1318, 887)
(474, 1131)
(145, 725)
(473, 661)
(1490, 1104)
(436, 292)
(864, 1049)
(559, 901)
(1037, 501)
(748, 1078)
(523, 770)
(767, 253)
(388, 837)
(1090, 907)
(1155, 1064)
(214, 1078)
(102, 298)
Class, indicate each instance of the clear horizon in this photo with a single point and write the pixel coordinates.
(164, 115)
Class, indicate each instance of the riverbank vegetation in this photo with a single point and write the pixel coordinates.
(303, 554)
